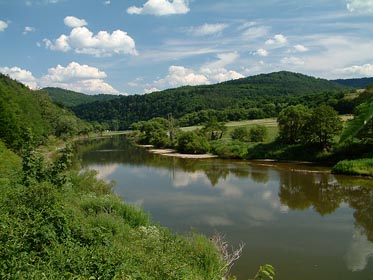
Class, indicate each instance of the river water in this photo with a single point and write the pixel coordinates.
(306, 222)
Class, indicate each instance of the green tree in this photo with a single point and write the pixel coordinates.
(191, 142)
(323, 125)
(213, 129)
(291, 122)
(258, 133)
(241, 134)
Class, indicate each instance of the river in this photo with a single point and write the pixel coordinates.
(306, 222)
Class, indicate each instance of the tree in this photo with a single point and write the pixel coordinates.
(323, 125)
(213, 129)
(258, 133)
(241, 134)
(291, 122)
(191, 142)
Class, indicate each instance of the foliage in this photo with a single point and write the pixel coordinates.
(355, 83)
(258, 133)
(323, 125)
(192, 142)
(248, 98)
(153, 132)
(213, 129)
(241, 134)
(81, 230)
(361, 124)
(291, 122)
(265, 272)
(22, 108)
(354, 167)
(70, 98)
(231, 149)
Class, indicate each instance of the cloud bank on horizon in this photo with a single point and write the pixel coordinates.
(132, 48)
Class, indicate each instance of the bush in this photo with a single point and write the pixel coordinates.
(354, 167)
(240, 134)
(192, 143)
(258, 133)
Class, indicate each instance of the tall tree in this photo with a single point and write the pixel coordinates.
(291, 121)
(323, 125)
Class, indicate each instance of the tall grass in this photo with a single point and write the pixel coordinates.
(362, 167)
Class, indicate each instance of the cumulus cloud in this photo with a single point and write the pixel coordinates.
(161, 8)
(181, 76)
(28, 29)
(207, 29)
(3, 25)
(73, 22)
(81, 78)
(359, 70)
(83, 41)
(300, 48)
(261, 52)
(278, 40)
(360, 6)
(20, 75)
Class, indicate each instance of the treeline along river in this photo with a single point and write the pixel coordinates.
(306, 222)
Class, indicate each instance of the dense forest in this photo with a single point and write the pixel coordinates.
(70, 98)
(358, 83)
(25, 111)
(254, 97)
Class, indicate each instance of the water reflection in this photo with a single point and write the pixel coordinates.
(282, 207)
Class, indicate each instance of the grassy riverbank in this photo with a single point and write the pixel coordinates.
(76, 228)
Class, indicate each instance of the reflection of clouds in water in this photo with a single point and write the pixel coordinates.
(359, 252)
(104, 171)
(229, 190)
(215, 220)
(183, 179)
(273, 200)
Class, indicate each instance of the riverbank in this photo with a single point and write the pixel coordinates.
(59, 222)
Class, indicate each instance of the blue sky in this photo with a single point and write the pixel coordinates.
(134, 47)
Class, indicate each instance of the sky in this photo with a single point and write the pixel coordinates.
(139, 46)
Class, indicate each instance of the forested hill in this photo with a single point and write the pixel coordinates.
(24, 112)
(358, 83)
(253, 97)
(71, 98)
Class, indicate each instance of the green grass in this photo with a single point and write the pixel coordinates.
(362, 167)
(81, 230)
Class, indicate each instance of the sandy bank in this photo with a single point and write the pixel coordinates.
(173, 153)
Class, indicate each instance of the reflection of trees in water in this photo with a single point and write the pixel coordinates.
(301, 191)
(259, 174)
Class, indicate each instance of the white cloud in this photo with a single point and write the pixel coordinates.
(359, 70)
(278, 40)
(3, 25)
(28, 29)
(20, 75)
(292, 60)
(81, 78)
(221, 75)
(181, 76)
(300, 48)
(224, 59)
(261, 52)
(73, 22)
(107, 2)
(255, 32)
(74, 71)
(360, 6)
(161, 8)
(207, 29)
(83, 41)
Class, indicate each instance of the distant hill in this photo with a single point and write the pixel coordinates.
(358, 83)
(253, 97)
(70, 98)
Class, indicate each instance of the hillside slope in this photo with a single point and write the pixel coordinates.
(358, 83)
(266, 93)
(70, 98)
(23, 111)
